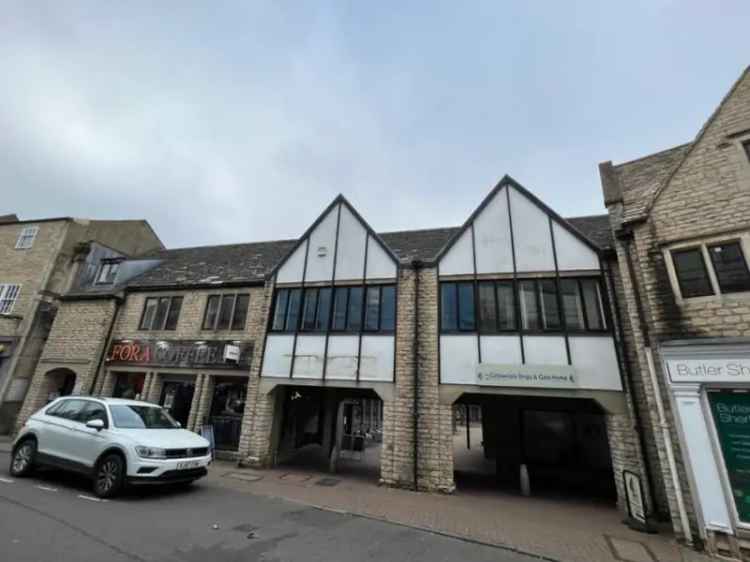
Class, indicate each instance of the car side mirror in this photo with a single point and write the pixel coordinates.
(95, 424)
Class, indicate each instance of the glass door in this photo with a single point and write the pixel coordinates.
(177, 397)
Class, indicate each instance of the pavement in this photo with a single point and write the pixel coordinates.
(298, 514)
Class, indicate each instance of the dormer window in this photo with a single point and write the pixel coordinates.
(26, 237)
(107, 272)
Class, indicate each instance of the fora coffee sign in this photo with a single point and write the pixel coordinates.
(708, 370)
(181, 353)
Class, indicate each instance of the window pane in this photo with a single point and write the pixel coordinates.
(339, 308)
(372, 309)
(292, 316)
(572, 305)
(593, 303)
(240, 312)
(448, 307)
(161, 313)
(506, 307)
(466, 320)
(550, 310)
(355, 308)
(324, 309)
(528, 304)
(279, 313)
(388, 308)
(730, 267)
(225, 312)
(691, 273)
(174, 313)
(308, 309)
(487, 309)
(212, 310)
(148, 314)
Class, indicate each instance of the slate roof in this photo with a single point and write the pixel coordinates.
(238, 264)
(640, 179)
(8, 219)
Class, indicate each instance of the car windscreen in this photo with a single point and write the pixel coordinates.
(141, 417)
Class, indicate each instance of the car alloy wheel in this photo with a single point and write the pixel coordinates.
(109, 476)
(23, 458)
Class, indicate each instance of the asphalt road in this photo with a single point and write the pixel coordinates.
(53, 516)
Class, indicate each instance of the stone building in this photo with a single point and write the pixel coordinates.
(38, 261)
(351, 350)
(682, 236)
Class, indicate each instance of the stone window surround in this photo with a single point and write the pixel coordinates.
(744, 240)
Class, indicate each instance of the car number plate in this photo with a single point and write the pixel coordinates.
(188, 464)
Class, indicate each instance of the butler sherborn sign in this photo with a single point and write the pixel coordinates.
(181, 353)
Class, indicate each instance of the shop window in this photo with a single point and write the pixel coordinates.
(107, 272)
(161, 313)
(339, 309)
(730, 267)
(225, 312)
(26, 237)
(691, 272)
(8, 297)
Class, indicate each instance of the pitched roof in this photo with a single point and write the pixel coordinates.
(7, 219)
(242, 264)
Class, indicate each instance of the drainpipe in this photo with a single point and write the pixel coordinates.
(637, 421)
(416, 264)
(663, 425)
(103, 355)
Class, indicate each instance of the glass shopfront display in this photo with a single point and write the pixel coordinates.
(129, 385)
(227, 407)
(177, 398)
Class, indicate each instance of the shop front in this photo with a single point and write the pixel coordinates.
(201, 383)
(709, 387)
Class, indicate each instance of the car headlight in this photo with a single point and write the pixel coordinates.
(151, 452)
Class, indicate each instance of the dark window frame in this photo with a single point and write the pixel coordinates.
(517, 328)
(232, 315)
(458, 329)
(163, 327)
(329, 327)
(731, 242)
(111, 267)
(699, 249)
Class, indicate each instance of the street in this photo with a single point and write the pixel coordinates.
(53, 515)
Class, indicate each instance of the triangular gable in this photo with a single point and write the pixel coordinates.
(512, 225)
(339, 246)
(699, 137)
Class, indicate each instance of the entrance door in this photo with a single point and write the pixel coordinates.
(177, 398)
(226, 412)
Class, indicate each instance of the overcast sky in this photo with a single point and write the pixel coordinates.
(231, 122)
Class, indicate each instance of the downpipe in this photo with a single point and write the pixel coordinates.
(416, 264)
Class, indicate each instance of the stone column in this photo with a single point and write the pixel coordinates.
(108, 384)
(157, 381)
(204, 403)
(195, 403)
(146, 385)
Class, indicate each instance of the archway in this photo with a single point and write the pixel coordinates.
(59, 382)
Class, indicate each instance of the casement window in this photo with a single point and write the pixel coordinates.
(226, 312)
(711, 269)
(692, 274)
(730, 267)
(161, 313)
(536, 301)
(26, 237)
(8, 297)
(335, 309)
(107, 272)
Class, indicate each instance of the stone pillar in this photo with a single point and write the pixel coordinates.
(257, 439)
(146, 385)
(108, 384)
(154, 392)
(195, 403)
(204, 402)
(626, 455)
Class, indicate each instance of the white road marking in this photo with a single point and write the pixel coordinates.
(7, 480)
(47, 488)
(91, 498)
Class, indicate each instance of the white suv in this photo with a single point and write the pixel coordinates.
(114, 441)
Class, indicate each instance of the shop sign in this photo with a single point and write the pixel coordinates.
(634, 495)
(731, 413)
(527, 376)
(708, 370)
(181, 353)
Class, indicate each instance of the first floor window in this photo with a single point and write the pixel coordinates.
(8, 297)
(26, 237)
(161, 313)
(692, 275)
(497, 312)
(529, 306)
(457, 307)
(582, 305)
(226, 312)
(730, 267)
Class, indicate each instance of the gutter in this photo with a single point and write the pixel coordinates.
(627, 239)
(417, 265)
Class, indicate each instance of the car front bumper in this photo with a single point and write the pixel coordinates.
(153, 471)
